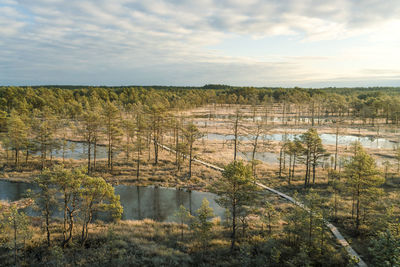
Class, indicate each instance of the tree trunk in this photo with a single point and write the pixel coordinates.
(65, 221)
(358, 208)
(283, 112)
(71, 223)
(269, 223)
(43, 155)
(312, 114)
(294, 164)
(85, 232)
(47, 210)
(290, 168)
(313, 169)
(138, 161)
(254, 154)
(156, 139)
(112, 157)
(27, 156)
(176, 144)
(233, 235)
(155, 150)
(109, 151)
(307, 168)
(127, 149)
(16, 158)
(89, 150)
(284, 159)
(94, 153)
(148, 140)
(280, 162)
(336, 146)
(190, 160)
(236, 135)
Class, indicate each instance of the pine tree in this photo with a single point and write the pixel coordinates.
(112, 130)
(183, 216)
(270, 216)
(202, 225)
(139, 144)
(16, 224)
(17, 134)
(44, 130)
(363, 179)
(90, 129)
(45, 198)
(313, 151)
(385, 250)
(97, 195)
(236, 190)
(69, 184)
(191, 134)
(157, 112)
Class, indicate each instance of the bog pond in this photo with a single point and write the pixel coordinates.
(78, 150)
(327, 139)
(138, 202)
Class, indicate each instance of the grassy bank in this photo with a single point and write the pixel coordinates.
(150, 243)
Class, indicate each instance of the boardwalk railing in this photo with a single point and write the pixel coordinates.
(339, 237)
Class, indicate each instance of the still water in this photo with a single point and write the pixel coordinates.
(273, 158)
(268, 157)
(78, 150)
(158, 204)
(327, 139)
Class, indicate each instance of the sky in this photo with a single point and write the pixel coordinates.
(279, 43)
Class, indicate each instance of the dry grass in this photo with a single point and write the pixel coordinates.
(152, 237)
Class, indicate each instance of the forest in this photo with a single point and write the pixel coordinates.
(72, 157)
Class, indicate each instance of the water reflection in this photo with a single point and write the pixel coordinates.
(158, 204)
(78, 150)
(13, 191)
(268, 157)
(273, 158)
(327, 139)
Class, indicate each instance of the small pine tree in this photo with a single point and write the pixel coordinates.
(270, 216)
(363, 179)
(202, 224)
(385, 250)
(184, 216)
(15, 224)
(236, 190)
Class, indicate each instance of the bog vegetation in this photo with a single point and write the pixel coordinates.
(336, 150)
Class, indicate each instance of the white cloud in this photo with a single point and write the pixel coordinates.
(148, 41)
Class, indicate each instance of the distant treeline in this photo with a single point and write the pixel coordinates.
(366, 104)
(341, 90)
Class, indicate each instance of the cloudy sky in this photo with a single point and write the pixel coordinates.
(307, 43)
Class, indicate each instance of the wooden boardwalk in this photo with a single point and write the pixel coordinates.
(339, 237)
